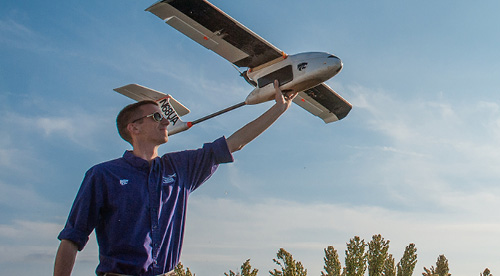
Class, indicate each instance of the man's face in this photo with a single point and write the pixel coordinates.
(150, 130)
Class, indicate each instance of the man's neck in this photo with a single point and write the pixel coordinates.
(147, 153)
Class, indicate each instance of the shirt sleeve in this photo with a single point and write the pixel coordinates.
(221, 151)
(196, 166)
(84, 214)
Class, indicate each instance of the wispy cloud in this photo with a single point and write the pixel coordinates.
(78, 126)
(27, 244)
(30, 246)
(438, 120)
(435, 156)
(13, 194)
(20, 36)
(415, 168)
(235, 231)
(13, 28)
(443, 139)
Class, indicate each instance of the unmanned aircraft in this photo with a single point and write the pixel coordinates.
(304, 73)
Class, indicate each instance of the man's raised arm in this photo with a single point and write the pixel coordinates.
(253, 129)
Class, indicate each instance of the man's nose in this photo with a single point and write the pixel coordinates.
(165, 121)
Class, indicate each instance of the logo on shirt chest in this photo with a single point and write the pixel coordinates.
(168, 179)
(123, 182)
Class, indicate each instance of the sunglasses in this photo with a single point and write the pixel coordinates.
(157, 117)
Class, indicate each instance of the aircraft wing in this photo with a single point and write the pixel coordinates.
(323, 102)
(141, 93)
(217, 31)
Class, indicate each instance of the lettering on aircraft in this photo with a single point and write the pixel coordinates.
(302, 66)
(168, 111)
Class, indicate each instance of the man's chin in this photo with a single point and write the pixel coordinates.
(164, 141)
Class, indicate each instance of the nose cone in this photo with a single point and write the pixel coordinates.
(334, 64)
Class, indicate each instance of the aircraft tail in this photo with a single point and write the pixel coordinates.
(176, 124)
(171, 108)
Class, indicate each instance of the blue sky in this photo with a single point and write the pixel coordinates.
(416, 160)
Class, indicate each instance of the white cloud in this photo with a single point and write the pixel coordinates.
(30, 247)
(10, 26)
(29, 231)
(27, 245)
(437, 143)
(7, 155)
(20, 36)
(16, 198)
(224, 233)
(53, 125)
(80, 127)
(441, 160)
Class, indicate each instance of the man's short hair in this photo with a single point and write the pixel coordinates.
(126, 116)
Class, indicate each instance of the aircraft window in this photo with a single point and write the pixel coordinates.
(332, 56)
(283, 75)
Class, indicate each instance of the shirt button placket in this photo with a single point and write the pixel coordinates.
(154, 184)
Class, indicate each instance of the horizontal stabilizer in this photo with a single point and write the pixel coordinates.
(323, 102)
(171, 109)
(141, 93)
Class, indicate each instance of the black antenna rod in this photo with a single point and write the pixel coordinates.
(218, 113)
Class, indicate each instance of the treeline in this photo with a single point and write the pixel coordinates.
(359, 257)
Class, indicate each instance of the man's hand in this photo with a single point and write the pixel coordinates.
(253, 129)
(281, 99)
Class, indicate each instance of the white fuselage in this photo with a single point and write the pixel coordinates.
(295, 73)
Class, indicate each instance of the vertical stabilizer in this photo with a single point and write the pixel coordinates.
(176, 124)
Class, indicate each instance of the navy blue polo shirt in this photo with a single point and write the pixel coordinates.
(138, 211)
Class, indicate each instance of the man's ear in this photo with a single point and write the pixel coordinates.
(133, 129)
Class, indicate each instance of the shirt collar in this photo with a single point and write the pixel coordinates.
(137, 161)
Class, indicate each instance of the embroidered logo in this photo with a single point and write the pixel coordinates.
(168, 179)
(123, 182)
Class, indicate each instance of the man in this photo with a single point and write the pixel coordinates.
(137, 203)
